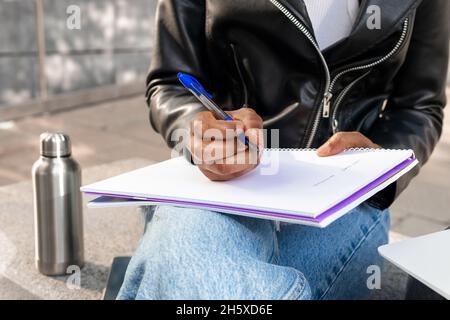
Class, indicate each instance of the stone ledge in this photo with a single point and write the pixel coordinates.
(108, 233)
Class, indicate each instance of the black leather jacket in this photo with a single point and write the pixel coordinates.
(388, 83)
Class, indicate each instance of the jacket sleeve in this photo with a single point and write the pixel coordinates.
(413, 117)
(179, 46)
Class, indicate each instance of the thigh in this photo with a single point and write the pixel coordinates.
(335, 260)
(200, 254)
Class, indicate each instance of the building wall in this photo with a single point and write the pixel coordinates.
(113, 46)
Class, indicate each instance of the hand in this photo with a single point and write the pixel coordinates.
(345, 140)
(217, 151)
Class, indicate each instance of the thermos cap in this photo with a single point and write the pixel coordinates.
(55, 145)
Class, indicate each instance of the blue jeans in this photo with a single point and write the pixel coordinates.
(199, 254)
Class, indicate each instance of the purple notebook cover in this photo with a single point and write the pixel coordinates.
(327, 213)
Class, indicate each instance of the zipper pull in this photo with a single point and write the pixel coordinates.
(335, 126)
(326, 104)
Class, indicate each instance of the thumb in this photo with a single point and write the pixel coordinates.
(342, 141)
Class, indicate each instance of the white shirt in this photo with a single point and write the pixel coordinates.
(332, 20)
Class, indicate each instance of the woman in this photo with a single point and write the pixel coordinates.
(332, 74)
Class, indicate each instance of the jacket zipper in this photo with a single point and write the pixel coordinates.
(325, 106)
(334, 123)
(326, 100)
(241, 75)
(344, 92)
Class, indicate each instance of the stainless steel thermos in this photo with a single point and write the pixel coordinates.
(57, 207)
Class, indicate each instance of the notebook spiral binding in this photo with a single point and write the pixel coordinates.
(350, 149)
(290, 149)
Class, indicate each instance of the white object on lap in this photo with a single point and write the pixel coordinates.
(425, 258)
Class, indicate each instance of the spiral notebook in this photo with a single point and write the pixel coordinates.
(290, 185)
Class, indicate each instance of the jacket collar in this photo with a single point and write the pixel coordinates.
(298, 8)
(393, 13)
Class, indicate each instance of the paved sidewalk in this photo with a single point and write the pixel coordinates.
(100, 134)
(120, 130)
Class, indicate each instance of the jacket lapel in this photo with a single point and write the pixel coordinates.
(298, 8)
(393, 13)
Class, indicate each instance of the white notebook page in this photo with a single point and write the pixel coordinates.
(289, 181)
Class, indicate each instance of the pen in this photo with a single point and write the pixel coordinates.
(192, 84)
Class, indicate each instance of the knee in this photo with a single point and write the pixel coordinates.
(189, 253)
(185, 223)
(176, 234)
(196, 226)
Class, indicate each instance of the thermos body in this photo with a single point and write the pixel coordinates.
(58, 210)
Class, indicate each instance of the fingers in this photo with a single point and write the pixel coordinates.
(208, 151)
(217, 148)
(248, 117)
(220, 177)
(207, 132)
(256, 136)
(231, 167)
(207, 127)
(228, 152)
(253, 125)
(344, 140)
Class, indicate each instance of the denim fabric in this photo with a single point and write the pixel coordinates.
(200, 254)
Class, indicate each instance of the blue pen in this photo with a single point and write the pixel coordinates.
(192, 84)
